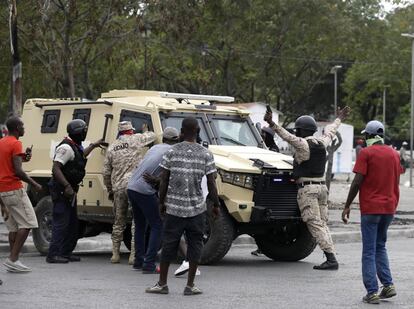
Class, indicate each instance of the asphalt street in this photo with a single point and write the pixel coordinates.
(239, 281)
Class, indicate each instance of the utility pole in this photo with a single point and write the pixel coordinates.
(15, 106)
(334, 71)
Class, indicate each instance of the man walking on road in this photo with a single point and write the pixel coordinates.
(16, 208)
(182, 203)
(144, 201)
(68, 171)
(309, 170)
(121, 159)
(377, 176)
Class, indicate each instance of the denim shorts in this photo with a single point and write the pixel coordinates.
(174, 228)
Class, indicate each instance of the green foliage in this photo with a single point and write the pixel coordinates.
(279, 52)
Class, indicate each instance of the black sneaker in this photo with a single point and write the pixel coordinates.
(137, 266)
(73, 258)
(388, 292)
(56, 260)
(372, 298)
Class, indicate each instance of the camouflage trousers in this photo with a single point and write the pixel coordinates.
(313, 205)
(120, 211)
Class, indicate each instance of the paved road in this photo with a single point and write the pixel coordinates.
(239, 281)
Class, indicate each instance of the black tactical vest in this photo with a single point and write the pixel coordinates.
(74, 170)
(315, 166)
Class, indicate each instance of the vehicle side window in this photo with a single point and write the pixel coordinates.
(50, 121)
(82, 113)
(137, 119)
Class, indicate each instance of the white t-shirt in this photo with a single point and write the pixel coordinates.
(64, 153)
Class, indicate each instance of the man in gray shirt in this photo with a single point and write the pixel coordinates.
(182, 202)
(144, 202)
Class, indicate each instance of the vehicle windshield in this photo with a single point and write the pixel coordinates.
(234, 131)
(217, 129)
(175, 122)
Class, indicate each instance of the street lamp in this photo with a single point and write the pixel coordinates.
(334, 70)
(411, 36)
(145, 32)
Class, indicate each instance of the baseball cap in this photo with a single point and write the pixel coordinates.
(125, 126)
(374, 127)
(170, 133)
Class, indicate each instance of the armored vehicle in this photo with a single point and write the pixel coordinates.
(256, 187)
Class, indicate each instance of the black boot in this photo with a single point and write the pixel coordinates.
(330, 264)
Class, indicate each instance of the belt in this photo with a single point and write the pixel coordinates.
(305, 183)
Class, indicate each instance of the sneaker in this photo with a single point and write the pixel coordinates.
(192, 290)
(184, 267)
(137, 266)
(157, 289)
(372, 298)
(16, 267)
(56, 260)
(151, 271)
(388, 292)
(22, 266)
(72, 258)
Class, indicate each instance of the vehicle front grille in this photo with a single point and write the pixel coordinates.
(278, 194)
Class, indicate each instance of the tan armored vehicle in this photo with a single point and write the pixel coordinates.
(255, 185)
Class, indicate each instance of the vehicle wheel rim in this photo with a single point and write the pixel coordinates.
(46, 226)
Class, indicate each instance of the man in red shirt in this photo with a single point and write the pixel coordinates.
(377, 176)
(19, 215)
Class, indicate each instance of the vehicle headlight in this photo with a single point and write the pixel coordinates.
(237, 179)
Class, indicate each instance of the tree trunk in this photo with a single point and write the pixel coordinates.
(16, 82)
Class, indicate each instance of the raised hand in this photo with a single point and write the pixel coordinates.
(343, 113)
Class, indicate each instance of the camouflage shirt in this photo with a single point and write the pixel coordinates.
(301, 146)
(122, 157)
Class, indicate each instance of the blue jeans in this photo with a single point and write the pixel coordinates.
(374, 254)
(145, 209)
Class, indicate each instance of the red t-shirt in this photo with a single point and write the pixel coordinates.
(9, 146)
(379, 192)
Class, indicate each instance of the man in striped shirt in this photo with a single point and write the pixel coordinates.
(182, 202)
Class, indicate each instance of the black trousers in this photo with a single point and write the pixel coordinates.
(64, 226)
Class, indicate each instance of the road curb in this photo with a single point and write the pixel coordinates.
(105, 244)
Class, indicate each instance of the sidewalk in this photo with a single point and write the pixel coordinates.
(402, 226)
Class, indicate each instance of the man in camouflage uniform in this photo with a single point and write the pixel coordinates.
(309, 170)
(121, 159)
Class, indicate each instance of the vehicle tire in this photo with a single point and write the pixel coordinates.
(43, 234)
(218, 236)
(291, 242)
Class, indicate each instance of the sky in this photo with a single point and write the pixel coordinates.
(389, 6)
